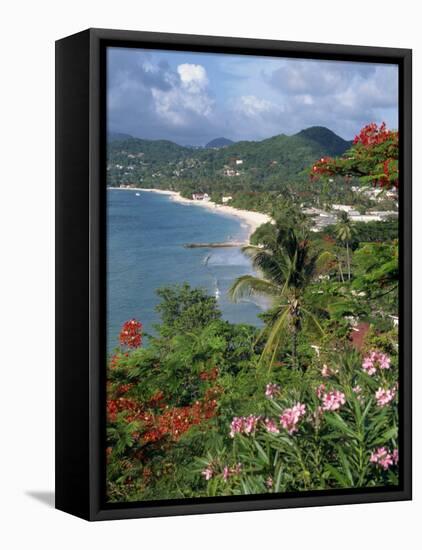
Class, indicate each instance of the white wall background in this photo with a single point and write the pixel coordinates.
(29, 29)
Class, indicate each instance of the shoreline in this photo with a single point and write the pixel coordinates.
(252, 219)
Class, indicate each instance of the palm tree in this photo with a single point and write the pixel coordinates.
(344, 232)
(287, 266)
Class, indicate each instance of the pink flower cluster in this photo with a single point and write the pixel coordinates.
(290, 417)
(243, 424)
(375, 360)
(320, 390)
(235, 471)
(384, 396)
(271, 390)
(209, 471)
(332, 400)
(271, 426)
(384, 458)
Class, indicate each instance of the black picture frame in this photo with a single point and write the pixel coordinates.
(80, 271)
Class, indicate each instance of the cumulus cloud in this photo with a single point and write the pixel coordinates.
(193, 77)
(188, 96)
(342, 96)
(253, 106)
(155, 101)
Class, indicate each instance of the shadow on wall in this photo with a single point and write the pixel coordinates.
(45, 497)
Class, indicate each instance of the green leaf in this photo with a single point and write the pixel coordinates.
(261, 452)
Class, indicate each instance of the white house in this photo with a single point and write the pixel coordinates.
(230, 172)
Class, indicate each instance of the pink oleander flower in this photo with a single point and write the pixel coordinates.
(236, 426)
(208, 473)
(382, 457)
(375, 360)
(228, 472)
(271, 426)
(320, 390)
(325, 371)
(290, 417)
(271, 390)
(249, 424)
(395, 456)
(384, 396)
(332, 400)
(243, 424)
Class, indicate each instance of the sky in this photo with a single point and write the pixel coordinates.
(192, 98)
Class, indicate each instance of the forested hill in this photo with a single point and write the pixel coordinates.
(248, 165)
(219, 142)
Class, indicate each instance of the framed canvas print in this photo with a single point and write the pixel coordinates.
(233, 274)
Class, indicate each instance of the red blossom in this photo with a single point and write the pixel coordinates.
(210, 374)
(372, 134)
(172, 423)
(131, 334)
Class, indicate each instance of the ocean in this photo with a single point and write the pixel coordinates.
(145, 238)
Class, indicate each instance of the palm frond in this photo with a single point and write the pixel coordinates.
(314, 320)
(274, 337)
(248, 285)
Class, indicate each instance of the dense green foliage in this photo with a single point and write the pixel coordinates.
(310, 402)
(365, 232)
(172, 404)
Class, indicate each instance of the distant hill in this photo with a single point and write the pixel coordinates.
(219, 142)
(323, 137)
(244, 165)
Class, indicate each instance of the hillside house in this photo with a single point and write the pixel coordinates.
(225, 200)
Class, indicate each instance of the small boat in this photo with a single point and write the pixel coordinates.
(137, 194)
(217, 291)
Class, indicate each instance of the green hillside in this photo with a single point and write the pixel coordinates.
(219, 142)
(243, 166)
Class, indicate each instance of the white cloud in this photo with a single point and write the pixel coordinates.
(186, 97)
(253, 106)
(193, 77)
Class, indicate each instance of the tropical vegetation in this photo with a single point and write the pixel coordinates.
(309, 402)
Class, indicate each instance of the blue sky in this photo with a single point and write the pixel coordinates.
(191, 98)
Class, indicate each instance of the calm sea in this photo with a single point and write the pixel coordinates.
(146, 234)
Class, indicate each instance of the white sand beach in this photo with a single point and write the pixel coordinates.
(252, 219)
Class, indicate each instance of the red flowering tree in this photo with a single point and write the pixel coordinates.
(373, 158)
(131, 334)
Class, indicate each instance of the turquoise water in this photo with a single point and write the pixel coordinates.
(145, 251)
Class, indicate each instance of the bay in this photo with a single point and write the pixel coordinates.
(145, 237)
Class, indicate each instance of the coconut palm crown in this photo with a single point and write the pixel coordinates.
(287, 266)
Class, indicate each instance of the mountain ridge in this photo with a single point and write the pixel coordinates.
(244, 165)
